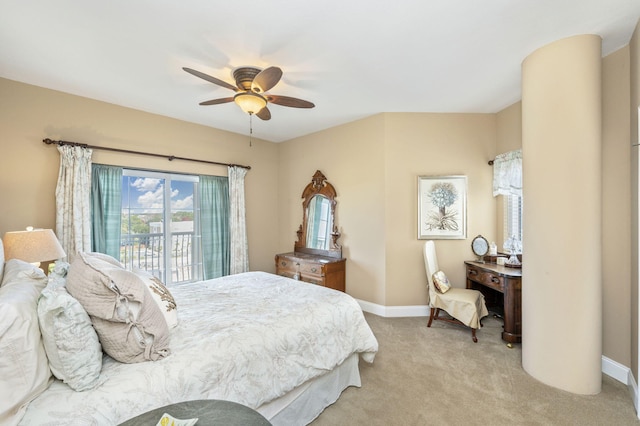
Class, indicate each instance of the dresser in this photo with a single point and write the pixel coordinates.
(312, 268)
(502, 287)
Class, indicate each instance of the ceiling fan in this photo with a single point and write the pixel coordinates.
(250, 88)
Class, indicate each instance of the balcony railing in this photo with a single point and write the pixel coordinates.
(146, 251)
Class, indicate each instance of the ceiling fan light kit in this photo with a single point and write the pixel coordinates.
(250, 88)
(251, 103)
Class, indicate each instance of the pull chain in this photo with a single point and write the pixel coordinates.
(250, 128)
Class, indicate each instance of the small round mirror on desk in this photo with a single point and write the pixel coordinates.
(480, 247)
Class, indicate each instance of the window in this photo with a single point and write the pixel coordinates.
(160, 225)
(513, 216)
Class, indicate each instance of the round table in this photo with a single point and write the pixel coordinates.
(209, 412)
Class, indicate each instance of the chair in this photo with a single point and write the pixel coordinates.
(465, 306)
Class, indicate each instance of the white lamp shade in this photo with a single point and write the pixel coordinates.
(38, 245)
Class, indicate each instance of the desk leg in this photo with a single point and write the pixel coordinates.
(512, 311)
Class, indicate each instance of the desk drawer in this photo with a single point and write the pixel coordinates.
(486, 278)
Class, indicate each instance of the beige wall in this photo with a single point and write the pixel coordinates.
(616, 208)
(351, 157)
(29, 168)
(374, 165)
(434, 144)
(634, 67)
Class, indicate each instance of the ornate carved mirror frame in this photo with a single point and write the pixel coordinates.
(319, 187)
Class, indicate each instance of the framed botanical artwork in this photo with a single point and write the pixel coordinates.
(442, 207)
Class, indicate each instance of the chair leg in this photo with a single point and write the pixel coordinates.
(433, 315)
(473, 335)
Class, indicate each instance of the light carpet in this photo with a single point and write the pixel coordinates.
(437, 375)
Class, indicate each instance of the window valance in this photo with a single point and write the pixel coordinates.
(507, 173)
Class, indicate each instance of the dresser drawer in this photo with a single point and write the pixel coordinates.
(313, 279)
(285, 265)
(299, 266)
(286, 273)
(314, 269)
(486, 278)
(310, 268)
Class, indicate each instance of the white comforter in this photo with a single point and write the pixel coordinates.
(248, 338)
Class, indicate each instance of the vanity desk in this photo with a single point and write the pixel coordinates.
(316, 257)
(501, 286)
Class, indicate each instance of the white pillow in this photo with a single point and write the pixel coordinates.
(24, 368)
(161, 295)
(71, 343)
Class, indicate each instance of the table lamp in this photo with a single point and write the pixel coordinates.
(33, 246)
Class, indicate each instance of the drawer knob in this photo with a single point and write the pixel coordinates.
(473, 272)
(283, 263)
(314, 270)
(495, 280)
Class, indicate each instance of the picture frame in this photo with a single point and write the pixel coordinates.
(442, 207)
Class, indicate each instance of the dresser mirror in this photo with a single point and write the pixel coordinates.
(319, 223)
(318, 233)
(317, 257)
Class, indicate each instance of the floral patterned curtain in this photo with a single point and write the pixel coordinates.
(507, 174)
(237, 221)
(73, 200)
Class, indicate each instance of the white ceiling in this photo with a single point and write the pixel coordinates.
(352, 58)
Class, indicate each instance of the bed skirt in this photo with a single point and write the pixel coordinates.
(304, 403)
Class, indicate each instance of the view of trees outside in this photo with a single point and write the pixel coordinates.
(143, 238)
(139, 223)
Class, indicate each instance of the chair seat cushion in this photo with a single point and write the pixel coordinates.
(467, 305)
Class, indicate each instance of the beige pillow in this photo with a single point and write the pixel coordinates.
(129, 323)
(24, 368)
(441, 282)
(161, 295)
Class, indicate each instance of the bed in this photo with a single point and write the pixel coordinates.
(284, 348)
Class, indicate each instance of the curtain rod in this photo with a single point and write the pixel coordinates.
(151, 154)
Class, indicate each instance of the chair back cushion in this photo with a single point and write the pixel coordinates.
(441, 282)
(431, 266)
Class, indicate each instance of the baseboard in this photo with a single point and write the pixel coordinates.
(633, 390)
(610, 367)
(394, 311)
(616, 370)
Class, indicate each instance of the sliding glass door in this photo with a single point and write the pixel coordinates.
(160, 225)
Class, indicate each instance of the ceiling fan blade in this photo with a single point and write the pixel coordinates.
(264, 114)
(266, 79)
(210, 79)
(289, 102)
(217, 101)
